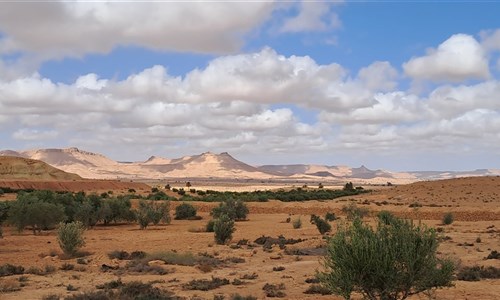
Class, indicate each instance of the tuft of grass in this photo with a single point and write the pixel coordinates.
(174, 258)
(278, 269)
(67, 267)
(8, 269)
(205, 284)
(249, 276)
(318, 289)
(274, 290)
(239, 297)
(476, 273)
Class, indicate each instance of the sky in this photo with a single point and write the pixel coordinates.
(395, 85)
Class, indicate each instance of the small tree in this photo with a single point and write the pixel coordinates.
(223, 229)
(185, 211)
(394, 261)
(349, 186)
(70, 237)
(235, 209)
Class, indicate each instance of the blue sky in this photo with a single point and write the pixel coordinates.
(392, 85)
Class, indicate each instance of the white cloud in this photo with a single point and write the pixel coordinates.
(58, 29)
(490, 39)
(230, 106)
(458, 58)
(380, 75)
(312, 16)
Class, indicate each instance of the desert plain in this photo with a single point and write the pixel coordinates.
(474, 233)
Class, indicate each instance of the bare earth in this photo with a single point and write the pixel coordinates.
(473, 201)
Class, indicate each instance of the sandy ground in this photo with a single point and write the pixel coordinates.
(477, 214)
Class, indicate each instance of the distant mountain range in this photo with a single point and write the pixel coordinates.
(220, 166)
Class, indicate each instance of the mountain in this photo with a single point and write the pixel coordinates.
(222, 166)
(15, 167)
(97, 166)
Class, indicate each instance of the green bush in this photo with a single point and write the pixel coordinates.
(210, 226)
(70, 237)
(223, 229)
(391, 262)
(235, 209)
(448, 218)
(386, 217)
(322, 225)
(185, 211)
(329, 216)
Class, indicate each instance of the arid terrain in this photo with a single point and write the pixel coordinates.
(474, 202)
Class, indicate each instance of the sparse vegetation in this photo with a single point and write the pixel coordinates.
(476, 273)
(353, 211)
(274, 290)
(205, 284)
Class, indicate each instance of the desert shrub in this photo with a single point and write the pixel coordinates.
(318, 289)
(174, 258)
(137, 266)
(476, 273)
(353, 212)
(67, 267)
(205, 284)
(185, 211)
(1, 192)
(113, 284)
(234, 209)
(8, 269)
(210, 226)
(240, 297)
(329, 216)
(322, 225)
(278, 269)
(391, 262)
(274, 290)
(386, 217)
(448, 218)
(250, 276)
(70, 237)
(297, 223)
(223, 229)
(493, 255)
(119, 254)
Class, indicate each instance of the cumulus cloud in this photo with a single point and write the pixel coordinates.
(490, 39)
(230, 105)
(313, 16)
(58, 29)
(457, 59)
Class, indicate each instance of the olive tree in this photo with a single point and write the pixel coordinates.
(393, 261)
